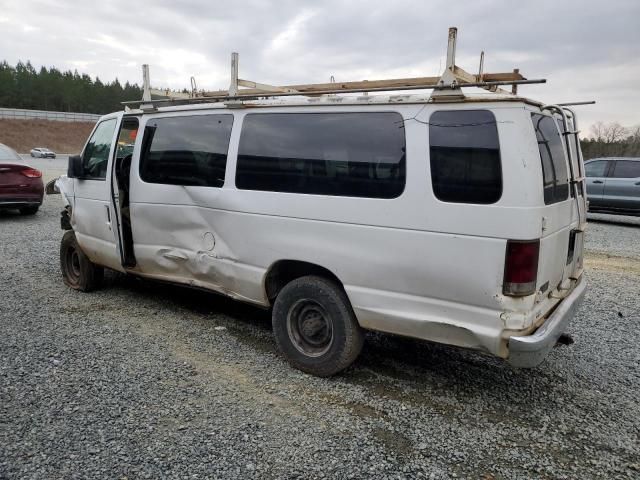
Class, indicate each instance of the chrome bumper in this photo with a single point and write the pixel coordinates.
(530, 350)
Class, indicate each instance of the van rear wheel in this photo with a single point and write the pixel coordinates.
(78, 272)
(315, 327)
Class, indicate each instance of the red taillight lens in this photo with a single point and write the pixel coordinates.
(521, 268)
(31, 173)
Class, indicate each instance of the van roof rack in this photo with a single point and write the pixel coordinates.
(445, 87)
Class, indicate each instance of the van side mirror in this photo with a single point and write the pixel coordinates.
(74, 169)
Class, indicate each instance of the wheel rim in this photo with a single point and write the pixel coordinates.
(73, 265)
(310, 328)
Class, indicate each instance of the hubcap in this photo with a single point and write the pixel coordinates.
(310, 328)
(73, 264)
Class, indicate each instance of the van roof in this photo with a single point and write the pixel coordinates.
(326, 100)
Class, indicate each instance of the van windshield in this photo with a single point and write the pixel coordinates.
(552, 156)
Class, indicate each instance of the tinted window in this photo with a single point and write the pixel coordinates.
(626, 169)
(554, 164)
(465, 156)
(348, 154)
(596, 169)
(96, 154)
(190, 151)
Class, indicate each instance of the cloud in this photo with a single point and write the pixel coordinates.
(586, 50)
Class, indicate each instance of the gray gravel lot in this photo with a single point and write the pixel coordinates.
(140, 380)
(616, 235)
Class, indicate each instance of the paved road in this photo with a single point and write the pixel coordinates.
(50, 167)
(139, 380)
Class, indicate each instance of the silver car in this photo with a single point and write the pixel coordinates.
(613, 185)
(41, 152)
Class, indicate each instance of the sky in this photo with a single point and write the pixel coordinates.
(587, 50)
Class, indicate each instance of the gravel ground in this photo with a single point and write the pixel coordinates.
(614, 235)
(139, 380)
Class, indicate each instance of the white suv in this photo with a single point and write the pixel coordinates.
(457, 221)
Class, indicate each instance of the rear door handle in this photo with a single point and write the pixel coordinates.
(598, 181)
(637, 183)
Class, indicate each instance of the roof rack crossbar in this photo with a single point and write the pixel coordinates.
(257, 96)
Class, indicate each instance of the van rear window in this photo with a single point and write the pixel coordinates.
(345, 154)
(554, 163)
(465, 156)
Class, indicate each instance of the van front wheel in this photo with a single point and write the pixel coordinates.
(78, 272)
(315, 326)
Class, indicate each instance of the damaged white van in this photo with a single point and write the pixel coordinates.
(456, 219)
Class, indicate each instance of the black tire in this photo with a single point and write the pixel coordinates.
(77, 270)
(30, 210)
(315, 327)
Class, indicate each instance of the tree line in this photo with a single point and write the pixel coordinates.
(611, 140)
(23, 86)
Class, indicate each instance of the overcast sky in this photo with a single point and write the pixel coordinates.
(587, 50)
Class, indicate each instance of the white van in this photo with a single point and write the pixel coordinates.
(455, 221)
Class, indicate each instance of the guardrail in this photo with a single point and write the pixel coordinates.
(24, 114)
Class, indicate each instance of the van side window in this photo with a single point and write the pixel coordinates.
(96, 154)
(186, 150)
(465, 156)
(554, 163)
(346, 154)
(626, 169)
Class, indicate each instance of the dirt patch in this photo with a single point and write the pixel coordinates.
(61, 137)
(393, 441)
(612, 263)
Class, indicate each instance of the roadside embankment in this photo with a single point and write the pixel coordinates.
(61, 137)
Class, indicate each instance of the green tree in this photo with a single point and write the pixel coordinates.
(51, 89)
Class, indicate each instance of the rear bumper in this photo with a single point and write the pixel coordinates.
(21, 200)
(530, 350)
(19, 203)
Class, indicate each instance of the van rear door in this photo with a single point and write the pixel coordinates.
(561, 215)
(568, 125)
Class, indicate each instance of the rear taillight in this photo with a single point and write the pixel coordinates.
(31, 173)
(521, 267)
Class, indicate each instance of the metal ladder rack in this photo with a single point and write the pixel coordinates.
(446, 86)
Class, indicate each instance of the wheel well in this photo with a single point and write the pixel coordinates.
(284, 271)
